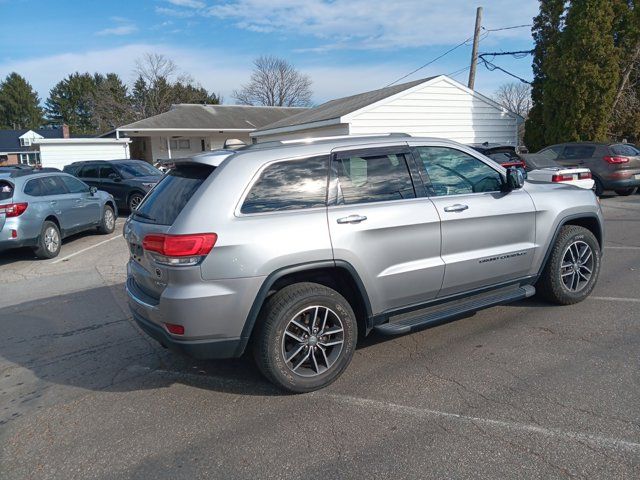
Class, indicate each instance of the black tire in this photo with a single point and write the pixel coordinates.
(624, 192)
(270, 343)
(108, 223)
(134, 201)
(598, 188)
(552, 285)
(49, 242)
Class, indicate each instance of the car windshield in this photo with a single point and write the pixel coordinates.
(138, 169)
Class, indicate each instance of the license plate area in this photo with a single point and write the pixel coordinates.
(136, 251)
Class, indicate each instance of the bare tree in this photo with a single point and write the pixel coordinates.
(275, 82)
(515, 96)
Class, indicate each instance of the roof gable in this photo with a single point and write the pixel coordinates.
(336, 109)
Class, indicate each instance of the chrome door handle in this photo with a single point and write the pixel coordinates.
(352, 219)
(458, 207)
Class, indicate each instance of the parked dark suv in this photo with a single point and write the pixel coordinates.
(127, 180)
(614, 166)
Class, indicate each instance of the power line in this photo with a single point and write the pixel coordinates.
(492, 66)
(507, 28)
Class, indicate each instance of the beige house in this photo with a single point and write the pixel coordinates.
(187, 129)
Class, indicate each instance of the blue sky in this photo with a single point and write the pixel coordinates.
(345, 46)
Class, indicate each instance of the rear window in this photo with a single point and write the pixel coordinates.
(165, 202)
(628, 150)
(6, 190)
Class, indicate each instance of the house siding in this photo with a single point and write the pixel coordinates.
(440, 109)
(330, 131)
(59, 155)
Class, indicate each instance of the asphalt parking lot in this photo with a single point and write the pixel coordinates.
(527, 390)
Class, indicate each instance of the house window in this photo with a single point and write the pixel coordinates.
(180, 144)
(25, 142)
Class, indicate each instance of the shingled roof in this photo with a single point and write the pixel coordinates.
(10, 139)
(335, 109)
(186, 116)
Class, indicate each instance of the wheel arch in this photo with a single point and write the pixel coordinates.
(588, 220)
(337, 275)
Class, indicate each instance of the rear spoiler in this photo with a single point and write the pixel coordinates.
(212, 159)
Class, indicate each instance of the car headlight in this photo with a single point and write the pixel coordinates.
(148, 185)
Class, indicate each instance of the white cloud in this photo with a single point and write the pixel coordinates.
(376, 24)
(222, 72)
(188, 3)
(121, 30)
(123, 26)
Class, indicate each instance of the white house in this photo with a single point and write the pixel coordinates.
(187, 129)
(58, 152)
(433, 107)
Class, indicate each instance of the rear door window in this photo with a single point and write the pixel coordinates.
(53, 186)
(165, 202)
(289, 185)
(369, 178)
(89, 171)
(106, 171)
(574, 152)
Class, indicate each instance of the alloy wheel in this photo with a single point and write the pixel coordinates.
(135, 202)
(577, 266)
(51, 239)
(109, 219)
(312, 341)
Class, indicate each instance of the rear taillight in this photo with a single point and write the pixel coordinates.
(562, 178)
(13, 209)
(584, 176)
(179, 249)
(615, 159)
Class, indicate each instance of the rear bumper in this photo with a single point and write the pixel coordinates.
(213, 315)
(622, 179)
(201, 349)
(25, 237)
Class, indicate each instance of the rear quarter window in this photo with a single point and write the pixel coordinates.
(168, 198)
(289, 185)
(578, 151)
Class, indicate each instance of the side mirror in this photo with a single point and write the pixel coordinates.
(93, 191)
(515, 179)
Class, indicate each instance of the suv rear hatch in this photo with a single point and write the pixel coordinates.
(153, 220)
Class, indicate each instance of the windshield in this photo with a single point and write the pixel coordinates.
(138, 169)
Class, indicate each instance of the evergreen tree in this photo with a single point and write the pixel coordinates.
(19, 104)
(582, 76)
(71, 101)
(112, 105)
(546, 31)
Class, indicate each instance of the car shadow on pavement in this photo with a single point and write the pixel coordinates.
(88, 340)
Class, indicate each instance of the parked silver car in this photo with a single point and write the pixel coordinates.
(39, 209)
(297, 248)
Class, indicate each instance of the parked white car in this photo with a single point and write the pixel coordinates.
(544, 169)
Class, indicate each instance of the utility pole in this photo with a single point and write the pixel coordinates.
(474, 52)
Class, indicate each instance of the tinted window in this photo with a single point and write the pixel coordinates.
(625, 149)
(452, 172)
(52, 186)
(137, 169)
(89, 171)
(372, 178)
(106, 170)
(33, 187)
(165, 202)
(74, 185)
(289, 185)
(6, 190)
(551, 153)
(577, 151)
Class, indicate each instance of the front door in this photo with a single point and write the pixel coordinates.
(111, 181)
(488, 236)
(380, 226)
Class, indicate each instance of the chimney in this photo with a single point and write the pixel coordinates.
(65, 130)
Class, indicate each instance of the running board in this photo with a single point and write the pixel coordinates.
(401, 324)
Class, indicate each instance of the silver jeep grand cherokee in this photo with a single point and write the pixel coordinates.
(296, 248)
